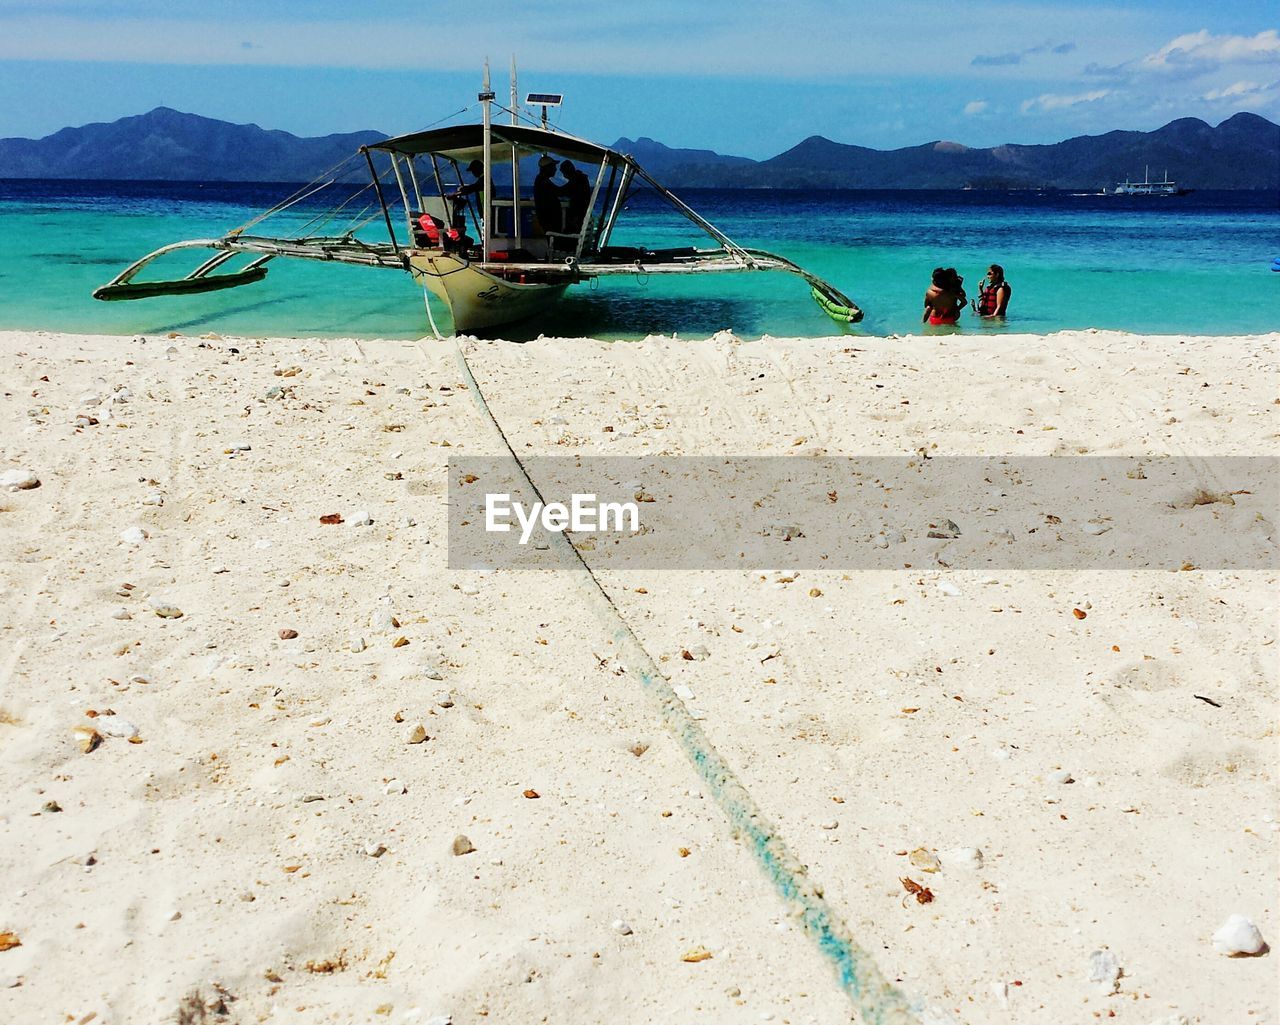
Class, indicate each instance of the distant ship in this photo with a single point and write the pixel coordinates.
(1147, 187)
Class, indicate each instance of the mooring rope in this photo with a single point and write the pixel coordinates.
(877, 1001)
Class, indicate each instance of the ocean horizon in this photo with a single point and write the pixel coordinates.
(1191, 264)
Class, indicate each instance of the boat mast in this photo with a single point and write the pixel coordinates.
(515, 160)
(486, 98)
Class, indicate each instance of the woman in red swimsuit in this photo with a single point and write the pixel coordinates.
(945, 298)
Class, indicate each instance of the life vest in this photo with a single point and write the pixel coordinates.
(431, 228)
(988, 298)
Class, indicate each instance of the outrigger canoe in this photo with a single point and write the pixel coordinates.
(490, 263)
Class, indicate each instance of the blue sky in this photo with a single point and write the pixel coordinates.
(739, 76)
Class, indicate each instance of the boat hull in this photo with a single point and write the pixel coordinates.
(478, 300)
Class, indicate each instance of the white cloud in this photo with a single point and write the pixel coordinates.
(1240, 91)
(1201, 51)
(975, 107)
(1057, 101)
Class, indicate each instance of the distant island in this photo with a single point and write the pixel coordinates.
(1243, 152)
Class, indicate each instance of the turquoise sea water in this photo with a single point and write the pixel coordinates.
(1195, 264)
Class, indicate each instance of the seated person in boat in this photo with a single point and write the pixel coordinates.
(577, 190)
(945, 299)
(993, 294)
(547, 211)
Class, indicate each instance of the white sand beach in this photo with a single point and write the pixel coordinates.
(270, 847)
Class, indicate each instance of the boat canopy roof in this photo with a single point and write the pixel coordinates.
(465, 143)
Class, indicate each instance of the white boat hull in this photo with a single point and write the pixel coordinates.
(478, 299)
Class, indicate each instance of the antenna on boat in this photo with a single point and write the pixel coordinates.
(486, 100)
(515, 160)
(515, 95)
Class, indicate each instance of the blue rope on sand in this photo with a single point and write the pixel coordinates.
(877, 1001)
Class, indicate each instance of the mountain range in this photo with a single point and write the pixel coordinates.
(168, 145)
(1243, 152)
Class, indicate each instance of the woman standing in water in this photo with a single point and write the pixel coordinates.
(945, 298)
(993, 294)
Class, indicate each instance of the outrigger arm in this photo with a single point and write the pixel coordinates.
(342, 249)
(833, 302)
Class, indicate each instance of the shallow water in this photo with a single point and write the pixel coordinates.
(1198, 264)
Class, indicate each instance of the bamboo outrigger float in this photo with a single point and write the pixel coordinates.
(517, 269)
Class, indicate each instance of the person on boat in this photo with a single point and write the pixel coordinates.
(474, 188)
(993, 294)
(546, 197)
(577, 190)
(945, 299)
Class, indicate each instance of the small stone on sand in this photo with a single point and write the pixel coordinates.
(114, 726)
(18, 480)
(461, 846)
(1104, 971)
(969, 858)
(164, 608)
(1239, 937)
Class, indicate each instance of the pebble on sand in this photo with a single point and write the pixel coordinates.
(961, 857)
(164, 609)
(1104, 970)
(621, 927)
(87, 738)
(461, 846)
(416, 735)
(925, 860)
(115, 726)
(361, 519)
(18, 480)
(133, 535)
(1239, 937)
(945, 530)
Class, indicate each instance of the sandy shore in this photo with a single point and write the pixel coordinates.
(273, 842)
